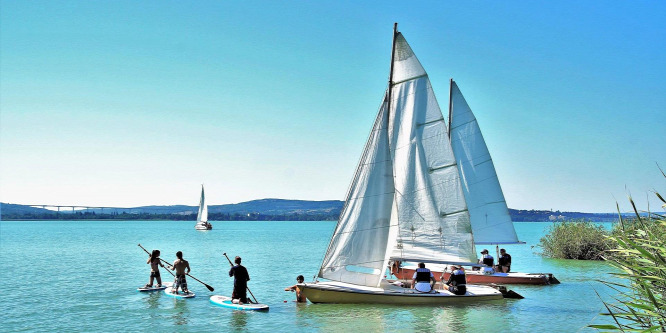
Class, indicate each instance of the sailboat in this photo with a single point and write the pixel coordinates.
(202, 216)
(405, 201)
(489, 214)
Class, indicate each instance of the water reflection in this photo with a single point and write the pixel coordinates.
(238, 320)
(181, 312)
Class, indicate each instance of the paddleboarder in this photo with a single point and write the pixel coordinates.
(154, 261)
(241, 276)
(300, 298)
(180, 265)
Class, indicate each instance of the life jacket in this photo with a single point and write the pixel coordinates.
(488, 260)
(458, 278)
(422, 275)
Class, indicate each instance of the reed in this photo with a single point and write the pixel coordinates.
(582, 240)
(640, 256)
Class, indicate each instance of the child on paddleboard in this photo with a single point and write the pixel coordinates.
(154, 261)
(179, 266)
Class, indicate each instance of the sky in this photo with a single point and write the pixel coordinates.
(131, 103)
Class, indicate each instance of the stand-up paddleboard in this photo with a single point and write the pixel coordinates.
(169, 291)
(154, 287)
(225, 301)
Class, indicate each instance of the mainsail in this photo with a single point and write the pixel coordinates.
(491, 222)
(202, 216)
(405, 201)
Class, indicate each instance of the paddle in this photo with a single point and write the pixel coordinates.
(188, 274)
(248, 288)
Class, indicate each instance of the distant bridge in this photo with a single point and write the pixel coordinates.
(80, 208)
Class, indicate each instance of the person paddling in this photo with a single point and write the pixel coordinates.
(300, 298)
(241, 276)
(422, 279)
(154, 261)
(180, 265)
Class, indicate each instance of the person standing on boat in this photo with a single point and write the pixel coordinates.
(180, 265)
(504, 261)
(241, 276)
(300, 298)
(154, 261)
(422, 279)
(457, 282)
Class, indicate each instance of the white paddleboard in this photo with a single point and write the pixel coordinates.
(225, 301)
(169, 292)
(154, 287)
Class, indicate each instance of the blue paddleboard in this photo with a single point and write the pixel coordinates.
(225, 301)
(169, 290)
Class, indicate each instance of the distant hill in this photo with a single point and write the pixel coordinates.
(261, 210)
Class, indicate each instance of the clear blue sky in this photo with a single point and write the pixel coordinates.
(127, 103)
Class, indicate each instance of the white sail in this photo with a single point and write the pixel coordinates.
(433, 221)
(357, 249)
(489, 214)
(202, 216)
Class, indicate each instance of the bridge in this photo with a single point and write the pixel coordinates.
(80, 208)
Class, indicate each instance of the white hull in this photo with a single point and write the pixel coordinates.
(338, 292)
(201, 226)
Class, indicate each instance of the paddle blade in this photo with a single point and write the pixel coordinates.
(209, 287)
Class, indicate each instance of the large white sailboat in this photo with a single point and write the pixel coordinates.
(489, 214)
(405, 201)
(202, 216)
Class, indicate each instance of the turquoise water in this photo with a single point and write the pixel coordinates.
(81, 276)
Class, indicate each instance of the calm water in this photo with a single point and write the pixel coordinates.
(82, 277)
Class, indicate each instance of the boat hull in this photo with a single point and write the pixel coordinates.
(333, 292)
(477, 277)
(203, 226)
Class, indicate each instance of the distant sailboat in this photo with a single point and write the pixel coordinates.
(202, 216)
(405, 201)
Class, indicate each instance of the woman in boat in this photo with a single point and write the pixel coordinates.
(504, 262)
(457, 282)
(423, 278)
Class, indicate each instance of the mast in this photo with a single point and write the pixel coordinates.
(390, 83)
(450, 105)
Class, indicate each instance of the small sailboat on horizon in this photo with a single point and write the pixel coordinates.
(202, 215)
(405, 202)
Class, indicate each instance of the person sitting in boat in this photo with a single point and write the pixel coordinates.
(504, 262)
(180, 265)
(488, 261)
(457, 282)
(422, 279)
(241, 276)
(300, 298)
(154, 261)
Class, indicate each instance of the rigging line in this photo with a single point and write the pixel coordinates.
(465, 123)
(430, 122)
(369, 196)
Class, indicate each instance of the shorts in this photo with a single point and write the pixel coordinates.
(155, 275)
(181, 282)
(458, 290)
(423, 287)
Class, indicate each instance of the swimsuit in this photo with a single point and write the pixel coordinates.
(180, 282)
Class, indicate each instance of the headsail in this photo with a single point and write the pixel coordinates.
(357, 250)
(432, 215)
(202, 216)
(491, 222)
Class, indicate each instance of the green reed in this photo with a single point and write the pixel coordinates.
(640, 256)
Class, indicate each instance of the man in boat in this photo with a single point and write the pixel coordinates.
(422, 279)
(488, 261)
(180, 265)
(504, 262)
(300, 298)
(154, 261)
(241, 276)
(457, 282)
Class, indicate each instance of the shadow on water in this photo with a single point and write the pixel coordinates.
(238, 321)
(181, 312)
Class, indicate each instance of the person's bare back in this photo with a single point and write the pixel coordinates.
(180, 265)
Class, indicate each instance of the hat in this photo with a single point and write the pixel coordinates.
(484, 251)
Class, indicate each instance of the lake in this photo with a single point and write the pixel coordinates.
(81, 276)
